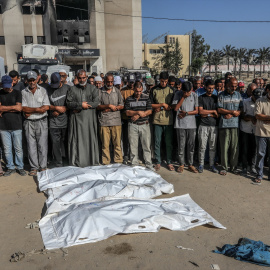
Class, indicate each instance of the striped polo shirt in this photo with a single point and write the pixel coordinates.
(142, 104)
(232, 103)
(38, 99)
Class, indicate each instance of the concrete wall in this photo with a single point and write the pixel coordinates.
(14, 34)
(123, 34)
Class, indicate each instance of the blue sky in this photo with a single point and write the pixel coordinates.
(217, 35)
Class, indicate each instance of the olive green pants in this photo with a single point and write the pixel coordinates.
(228, 138)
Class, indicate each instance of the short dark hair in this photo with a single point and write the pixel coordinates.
(172, 79)
(209, 82)
(222, 79)
(163, 75)
(227, 74)
(94, 74)
(36, 70)
(44, 77)
(218, 81)
(267, 87)
(138, 84)
(187, 86)
(13, 74)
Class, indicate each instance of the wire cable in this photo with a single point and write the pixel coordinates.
(164, 18)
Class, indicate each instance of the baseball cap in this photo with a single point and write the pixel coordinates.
(98, 79)
(181, 80)
(117, 80)
(31, 75)
(148, 75)
(6, 81)
(131, 77)
(241, 84)
(150, 81)
(258, 93)
(55, 80)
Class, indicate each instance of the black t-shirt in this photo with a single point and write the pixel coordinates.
(10, 120)
(44, 85)
(19, 86)
(208, 103)
(58, 97)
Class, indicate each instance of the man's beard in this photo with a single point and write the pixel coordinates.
(83, 84)
(109, 87)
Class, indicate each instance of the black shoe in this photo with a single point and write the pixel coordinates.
(22, 172)
(9, 172)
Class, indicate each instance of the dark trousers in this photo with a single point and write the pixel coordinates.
(59, 144)
(186, 144)
(126, 147)
(262, 144)
(168, 135)
(248, 149)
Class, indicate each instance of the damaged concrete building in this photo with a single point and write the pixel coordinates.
(98, 35)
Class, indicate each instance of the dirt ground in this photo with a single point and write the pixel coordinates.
(237, 204)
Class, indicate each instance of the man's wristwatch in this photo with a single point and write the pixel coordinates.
(162, 108)
(186, 113)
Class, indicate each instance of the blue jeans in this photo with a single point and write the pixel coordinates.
(262, 144)
(13, 139)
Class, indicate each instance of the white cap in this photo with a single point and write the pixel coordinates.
(117, 80)
(98, 79)
(62, 71)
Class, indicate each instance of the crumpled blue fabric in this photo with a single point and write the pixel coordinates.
(248, 250)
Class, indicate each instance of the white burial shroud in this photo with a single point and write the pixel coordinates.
(91, 204)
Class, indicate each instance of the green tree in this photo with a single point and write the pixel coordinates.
(216, 59)
(146, 63)
(263, 54)
(167, 57)
(177, 58)
(228, 51)
(199, 48)
(235, 57)
(209, 59)
(241, 56)
(249, 56)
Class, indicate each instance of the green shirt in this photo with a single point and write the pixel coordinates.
(162, 95)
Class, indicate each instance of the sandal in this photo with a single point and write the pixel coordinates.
(192, 169)
(170, 167)
(257, 181)
(33, 173)
(180, 169)
(223, 172)
(157, 167)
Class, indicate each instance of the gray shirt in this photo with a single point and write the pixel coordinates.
(36, 100)
(109, 119)
(189, 105)
(232, 103)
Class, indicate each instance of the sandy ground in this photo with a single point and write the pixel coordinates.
(240, 206)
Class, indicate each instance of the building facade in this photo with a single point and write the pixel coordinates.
(151, 52)
(96, 35)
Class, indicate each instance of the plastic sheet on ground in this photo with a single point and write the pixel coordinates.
(97, 220)
(69, 185)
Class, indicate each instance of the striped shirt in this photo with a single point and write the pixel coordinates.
(232, 103)
(38, 99)
(142, 104)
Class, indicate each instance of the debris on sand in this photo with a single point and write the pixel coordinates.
(34, 225)
(18, 256)
(119, 249)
